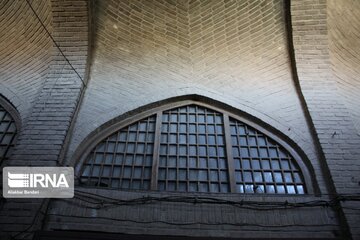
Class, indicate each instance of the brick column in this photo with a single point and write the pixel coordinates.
(332, 121)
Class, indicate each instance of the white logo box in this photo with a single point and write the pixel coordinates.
(38, 182)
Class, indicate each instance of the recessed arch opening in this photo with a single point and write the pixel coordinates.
(272, 164)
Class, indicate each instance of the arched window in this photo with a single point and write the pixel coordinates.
(193, 148)
(9, 124)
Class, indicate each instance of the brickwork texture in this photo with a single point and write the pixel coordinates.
(292, 65)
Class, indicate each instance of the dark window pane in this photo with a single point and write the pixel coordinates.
(290, 189)
(255, 164)
(86, 171)
(297, 178)
(182, 175)
(251, 141)
(268, 177)
(249, 188)
(280, 189)
(288, 177)
(270, 188)
(214, 176)
(192, 151)
(278, 177)
(203, 162)
(182, 150)
(275, 165)
(182, 128)
(173, 118)
(221, 151)
(246, 164)
(300, 189)
(182, 139)
(182, 187)
(203, 175)
(171, 162)
(108, 158)
(214, 187)
(238, 177)
(173, 138)
(263, 153)
(192, 162)
(243, 141)
(258, 177)
(213, 163)
(285, 164)
(201, 128)
(202, 151)
(247, 177)
(211, 140)
(183, 118)
(237, 164)
(265, 164)
(162, 174)
(171, 174)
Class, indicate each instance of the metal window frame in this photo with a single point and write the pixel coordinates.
(86, 147)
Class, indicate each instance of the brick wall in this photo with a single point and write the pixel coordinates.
(344, 43)
(25, 51)
(234, 52)
(189, 219)
(333, 122)
(42, 136)
(143, 52)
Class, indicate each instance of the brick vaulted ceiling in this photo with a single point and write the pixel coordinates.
(147, 50)
(211, 40)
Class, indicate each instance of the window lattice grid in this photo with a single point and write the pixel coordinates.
(8, 133)
(261, 165)
(124, 159)
(192, 154)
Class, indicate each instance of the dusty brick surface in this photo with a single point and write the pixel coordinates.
(234, 52)
(332, 120)
(145, 51)
(25, 51)
(344, 43)
(43, 133)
